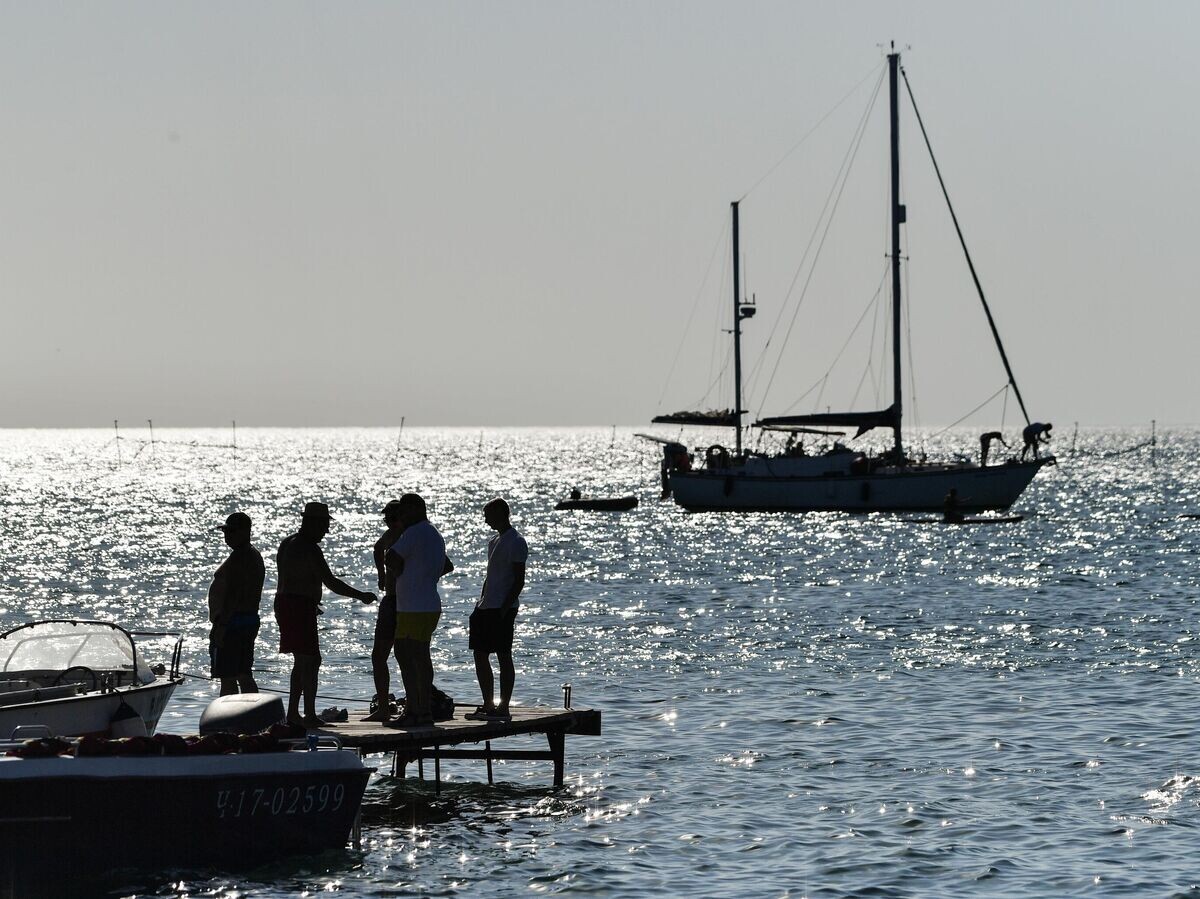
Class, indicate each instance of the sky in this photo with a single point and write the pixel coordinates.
(517, 214)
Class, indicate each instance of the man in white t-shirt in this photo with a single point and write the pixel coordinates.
(496, 612)
(419, 559)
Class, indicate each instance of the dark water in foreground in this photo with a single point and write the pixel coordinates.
(819, 705)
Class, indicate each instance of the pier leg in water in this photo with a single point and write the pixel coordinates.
(558, 742)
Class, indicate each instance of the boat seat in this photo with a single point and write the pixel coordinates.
(38, 694)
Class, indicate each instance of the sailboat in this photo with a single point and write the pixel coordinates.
(840, 479)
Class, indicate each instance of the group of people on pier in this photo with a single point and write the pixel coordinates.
(410, 558)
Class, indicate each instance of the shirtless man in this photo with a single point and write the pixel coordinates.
(1034, 435)
(233, 601)
(302, 572)
(985, 445)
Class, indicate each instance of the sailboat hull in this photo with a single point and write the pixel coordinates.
(916, 489)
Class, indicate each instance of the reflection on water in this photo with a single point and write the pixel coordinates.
(819, 705)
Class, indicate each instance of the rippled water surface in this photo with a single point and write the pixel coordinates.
(794, 705)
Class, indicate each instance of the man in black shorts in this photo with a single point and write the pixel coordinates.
(385, 624)
(233, 602)
(496, 612)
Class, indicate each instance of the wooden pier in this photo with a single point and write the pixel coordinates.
(440, 740)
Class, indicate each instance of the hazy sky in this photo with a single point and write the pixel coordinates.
(503, 213)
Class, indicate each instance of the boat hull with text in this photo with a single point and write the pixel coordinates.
(79, 819)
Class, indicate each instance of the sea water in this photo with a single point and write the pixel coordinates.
(794, 705)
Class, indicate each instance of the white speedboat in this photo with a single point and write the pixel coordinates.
(75, 678)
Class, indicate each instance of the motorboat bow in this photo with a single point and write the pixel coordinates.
(72, 678)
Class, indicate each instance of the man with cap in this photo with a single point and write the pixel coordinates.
(233, 602)
(419, 559)
(385, 624)
(302, 573)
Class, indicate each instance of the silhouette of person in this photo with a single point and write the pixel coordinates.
(419, 559)
(951, 507)
(492, 622)
(385, 624)
(985, 444)
(302, 573)
(1034, 435)
(233, 601)
(575, 494)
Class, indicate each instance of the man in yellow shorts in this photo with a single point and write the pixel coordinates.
(419, 558)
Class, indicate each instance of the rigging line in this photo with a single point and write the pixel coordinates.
(912, 368)
(796, 146)
(692, 317)
(1004, 408)
(969, 414)
(868, 369)
(847, 165)
(962, 240)
(858, 324)
(713, 352)
(762, 358)
(715, 381)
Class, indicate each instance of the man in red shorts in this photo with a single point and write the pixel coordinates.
(302, 572)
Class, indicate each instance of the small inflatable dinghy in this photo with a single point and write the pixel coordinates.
(614, 504)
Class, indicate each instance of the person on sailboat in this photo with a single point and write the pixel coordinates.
(1034, 435)
(985, 444)
(952, 507)
(233, 601)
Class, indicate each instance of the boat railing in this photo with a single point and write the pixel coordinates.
(176, 653)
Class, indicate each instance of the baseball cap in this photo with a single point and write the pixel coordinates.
(236, 522)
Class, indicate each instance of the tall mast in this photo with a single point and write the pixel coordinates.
(898, 217)
(737, 331)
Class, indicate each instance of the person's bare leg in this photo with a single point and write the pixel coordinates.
(424, 672)
(487, 683)
(381, 657)
(295, 688)
(245, 683)
(404, 655)
(310, 687)
(508, 677)
(228, 686)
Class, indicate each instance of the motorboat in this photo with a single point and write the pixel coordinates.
(67, 678)
(77, 813)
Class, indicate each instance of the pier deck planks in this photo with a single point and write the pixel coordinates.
(420, 743)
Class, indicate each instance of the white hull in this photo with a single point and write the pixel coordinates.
(914, 489)
(89, 713)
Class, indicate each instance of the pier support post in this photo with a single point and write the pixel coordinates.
(487, 748)
(437, 770)
(557, 742)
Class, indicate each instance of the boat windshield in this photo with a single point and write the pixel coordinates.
(59, 645)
